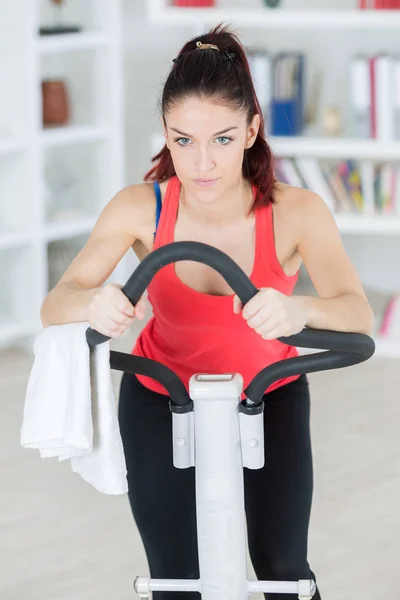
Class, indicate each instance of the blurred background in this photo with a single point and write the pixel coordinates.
(80, 83)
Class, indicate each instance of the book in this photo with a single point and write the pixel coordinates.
(390, 324)
(315, 180)
(360, 96)
(385, 126)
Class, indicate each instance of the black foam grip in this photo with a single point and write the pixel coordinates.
(175, 252)
(344, 349)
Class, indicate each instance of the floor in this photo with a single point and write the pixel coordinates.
(63, 540)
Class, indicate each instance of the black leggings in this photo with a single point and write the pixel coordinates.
(277, 497)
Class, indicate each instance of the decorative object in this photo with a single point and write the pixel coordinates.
(272, 3)
(332, 121)
(311, 112)
(55, 102)
(59, 27)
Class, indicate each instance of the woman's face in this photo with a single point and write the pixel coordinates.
(207, 143)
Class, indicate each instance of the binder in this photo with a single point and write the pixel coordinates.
(396, 97)
(360, 97)
(384, 98)
(287, 106)
(260, 69)
(367, 182)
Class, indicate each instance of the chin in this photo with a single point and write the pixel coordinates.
(206, 195)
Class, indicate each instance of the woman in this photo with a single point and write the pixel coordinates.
(214, 179)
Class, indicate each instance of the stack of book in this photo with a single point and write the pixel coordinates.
(347, 186)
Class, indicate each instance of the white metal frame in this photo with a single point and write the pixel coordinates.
(219, 441)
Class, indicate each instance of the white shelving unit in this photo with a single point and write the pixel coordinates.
(55, 181)
(161, 13)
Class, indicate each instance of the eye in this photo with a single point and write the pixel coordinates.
(178, 140)
(224, 137)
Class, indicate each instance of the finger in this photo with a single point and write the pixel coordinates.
(125, 305)
(116, 315)
(258, 320)
(140, 309)
(252, 307)
(108, 327)
(237, 305)
(273, 333)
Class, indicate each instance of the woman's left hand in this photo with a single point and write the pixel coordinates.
(272, 314)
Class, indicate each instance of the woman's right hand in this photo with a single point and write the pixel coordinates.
(111, 313)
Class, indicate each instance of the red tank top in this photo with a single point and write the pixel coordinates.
(193, 332)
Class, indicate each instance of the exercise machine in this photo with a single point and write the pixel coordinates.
(219, 434)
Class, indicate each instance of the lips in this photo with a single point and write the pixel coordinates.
(204, 182)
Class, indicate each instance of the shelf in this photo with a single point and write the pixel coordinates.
(368, 224)
(159, 14)
(8, 146)
(14, 240)
(339, 148)
(70, 42)
(61, 231)
(59, 136)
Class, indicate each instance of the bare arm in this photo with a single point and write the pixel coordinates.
(110, 239)
(342, 304)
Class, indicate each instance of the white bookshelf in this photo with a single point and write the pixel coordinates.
(55, 181)
(160, 13)
(72, 42)
(339, 148)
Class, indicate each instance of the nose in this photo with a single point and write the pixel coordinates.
(204, 161)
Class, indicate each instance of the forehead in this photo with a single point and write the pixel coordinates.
(198, 116)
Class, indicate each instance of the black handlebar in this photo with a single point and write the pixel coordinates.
(344, 349)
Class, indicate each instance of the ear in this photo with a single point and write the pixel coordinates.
(253, 130)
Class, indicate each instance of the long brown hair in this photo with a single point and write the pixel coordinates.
(226, 76)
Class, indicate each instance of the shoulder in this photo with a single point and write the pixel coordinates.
(134, 206)
(301, 209)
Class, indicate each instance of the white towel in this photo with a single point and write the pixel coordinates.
(70, 409)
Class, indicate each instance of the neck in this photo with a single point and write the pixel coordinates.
(233, 205)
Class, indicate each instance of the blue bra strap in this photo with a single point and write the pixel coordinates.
(158, 204)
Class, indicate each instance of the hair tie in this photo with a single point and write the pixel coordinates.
(201, 46)
(229, 55)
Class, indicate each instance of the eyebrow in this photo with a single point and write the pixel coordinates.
(217, 133)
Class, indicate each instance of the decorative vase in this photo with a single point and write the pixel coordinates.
(59, 27)
(56, 110)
